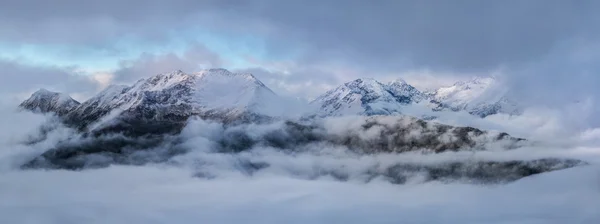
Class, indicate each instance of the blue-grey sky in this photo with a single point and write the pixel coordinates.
(546, 51)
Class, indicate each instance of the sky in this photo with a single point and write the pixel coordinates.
(543, 50)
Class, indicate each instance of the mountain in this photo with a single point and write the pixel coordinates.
(142, 123)
(368, 97)
(164, 102)
(478, 96)
(172, 98)
(44, 101)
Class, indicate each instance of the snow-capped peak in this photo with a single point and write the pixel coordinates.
(479, 96)
(210, 88)
(178, 95)
(217, 73)
(225, 72)
(367, 85)
(405, 92)
(464, 90)
(42, 92)
(475, 82)
(45, 101)
(367, 96)
(399, 81)
(483, 80)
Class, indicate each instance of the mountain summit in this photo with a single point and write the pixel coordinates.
(480, 96)
(141, 124)
(167, 99)
(368, 97)
(45, 101)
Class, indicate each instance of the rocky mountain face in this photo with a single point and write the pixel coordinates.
(44, 101)
(142, 123)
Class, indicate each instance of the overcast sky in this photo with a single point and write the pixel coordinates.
(546, 51)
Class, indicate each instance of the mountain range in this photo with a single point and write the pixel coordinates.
(163, 103)
(121, 121)
(371, 97)
(227, 96)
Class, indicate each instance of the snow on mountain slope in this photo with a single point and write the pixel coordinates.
(44, 101)
(463, 91)
(146, 123)
(367, 97)
(399, 88)
(479, 96)
(177, 95)
(222, 95)
(219, 88)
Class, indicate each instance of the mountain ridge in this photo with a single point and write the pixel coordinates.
(479, 96)
(143, 123)
(170, 98)
(367, 96)
(371, 97)
(363, 96)
(45, 101)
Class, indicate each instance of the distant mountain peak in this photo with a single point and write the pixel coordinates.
(226, 73)
(46, 101)
(43, 91)
(478, 96)
(482, 81)
(365, 84)
(399, 81)
(367, 96)
(365, 80)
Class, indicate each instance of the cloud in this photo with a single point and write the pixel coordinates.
(458, 36)
(165, 195)
(534, 43)
(75, 22)
(293, 188)
(306, 82)
(194, 58)
(313, 79)
(323, 185)
(19, 80)
(19, 128)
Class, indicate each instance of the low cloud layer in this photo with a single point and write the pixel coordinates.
(305, 187)
(193, 59)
